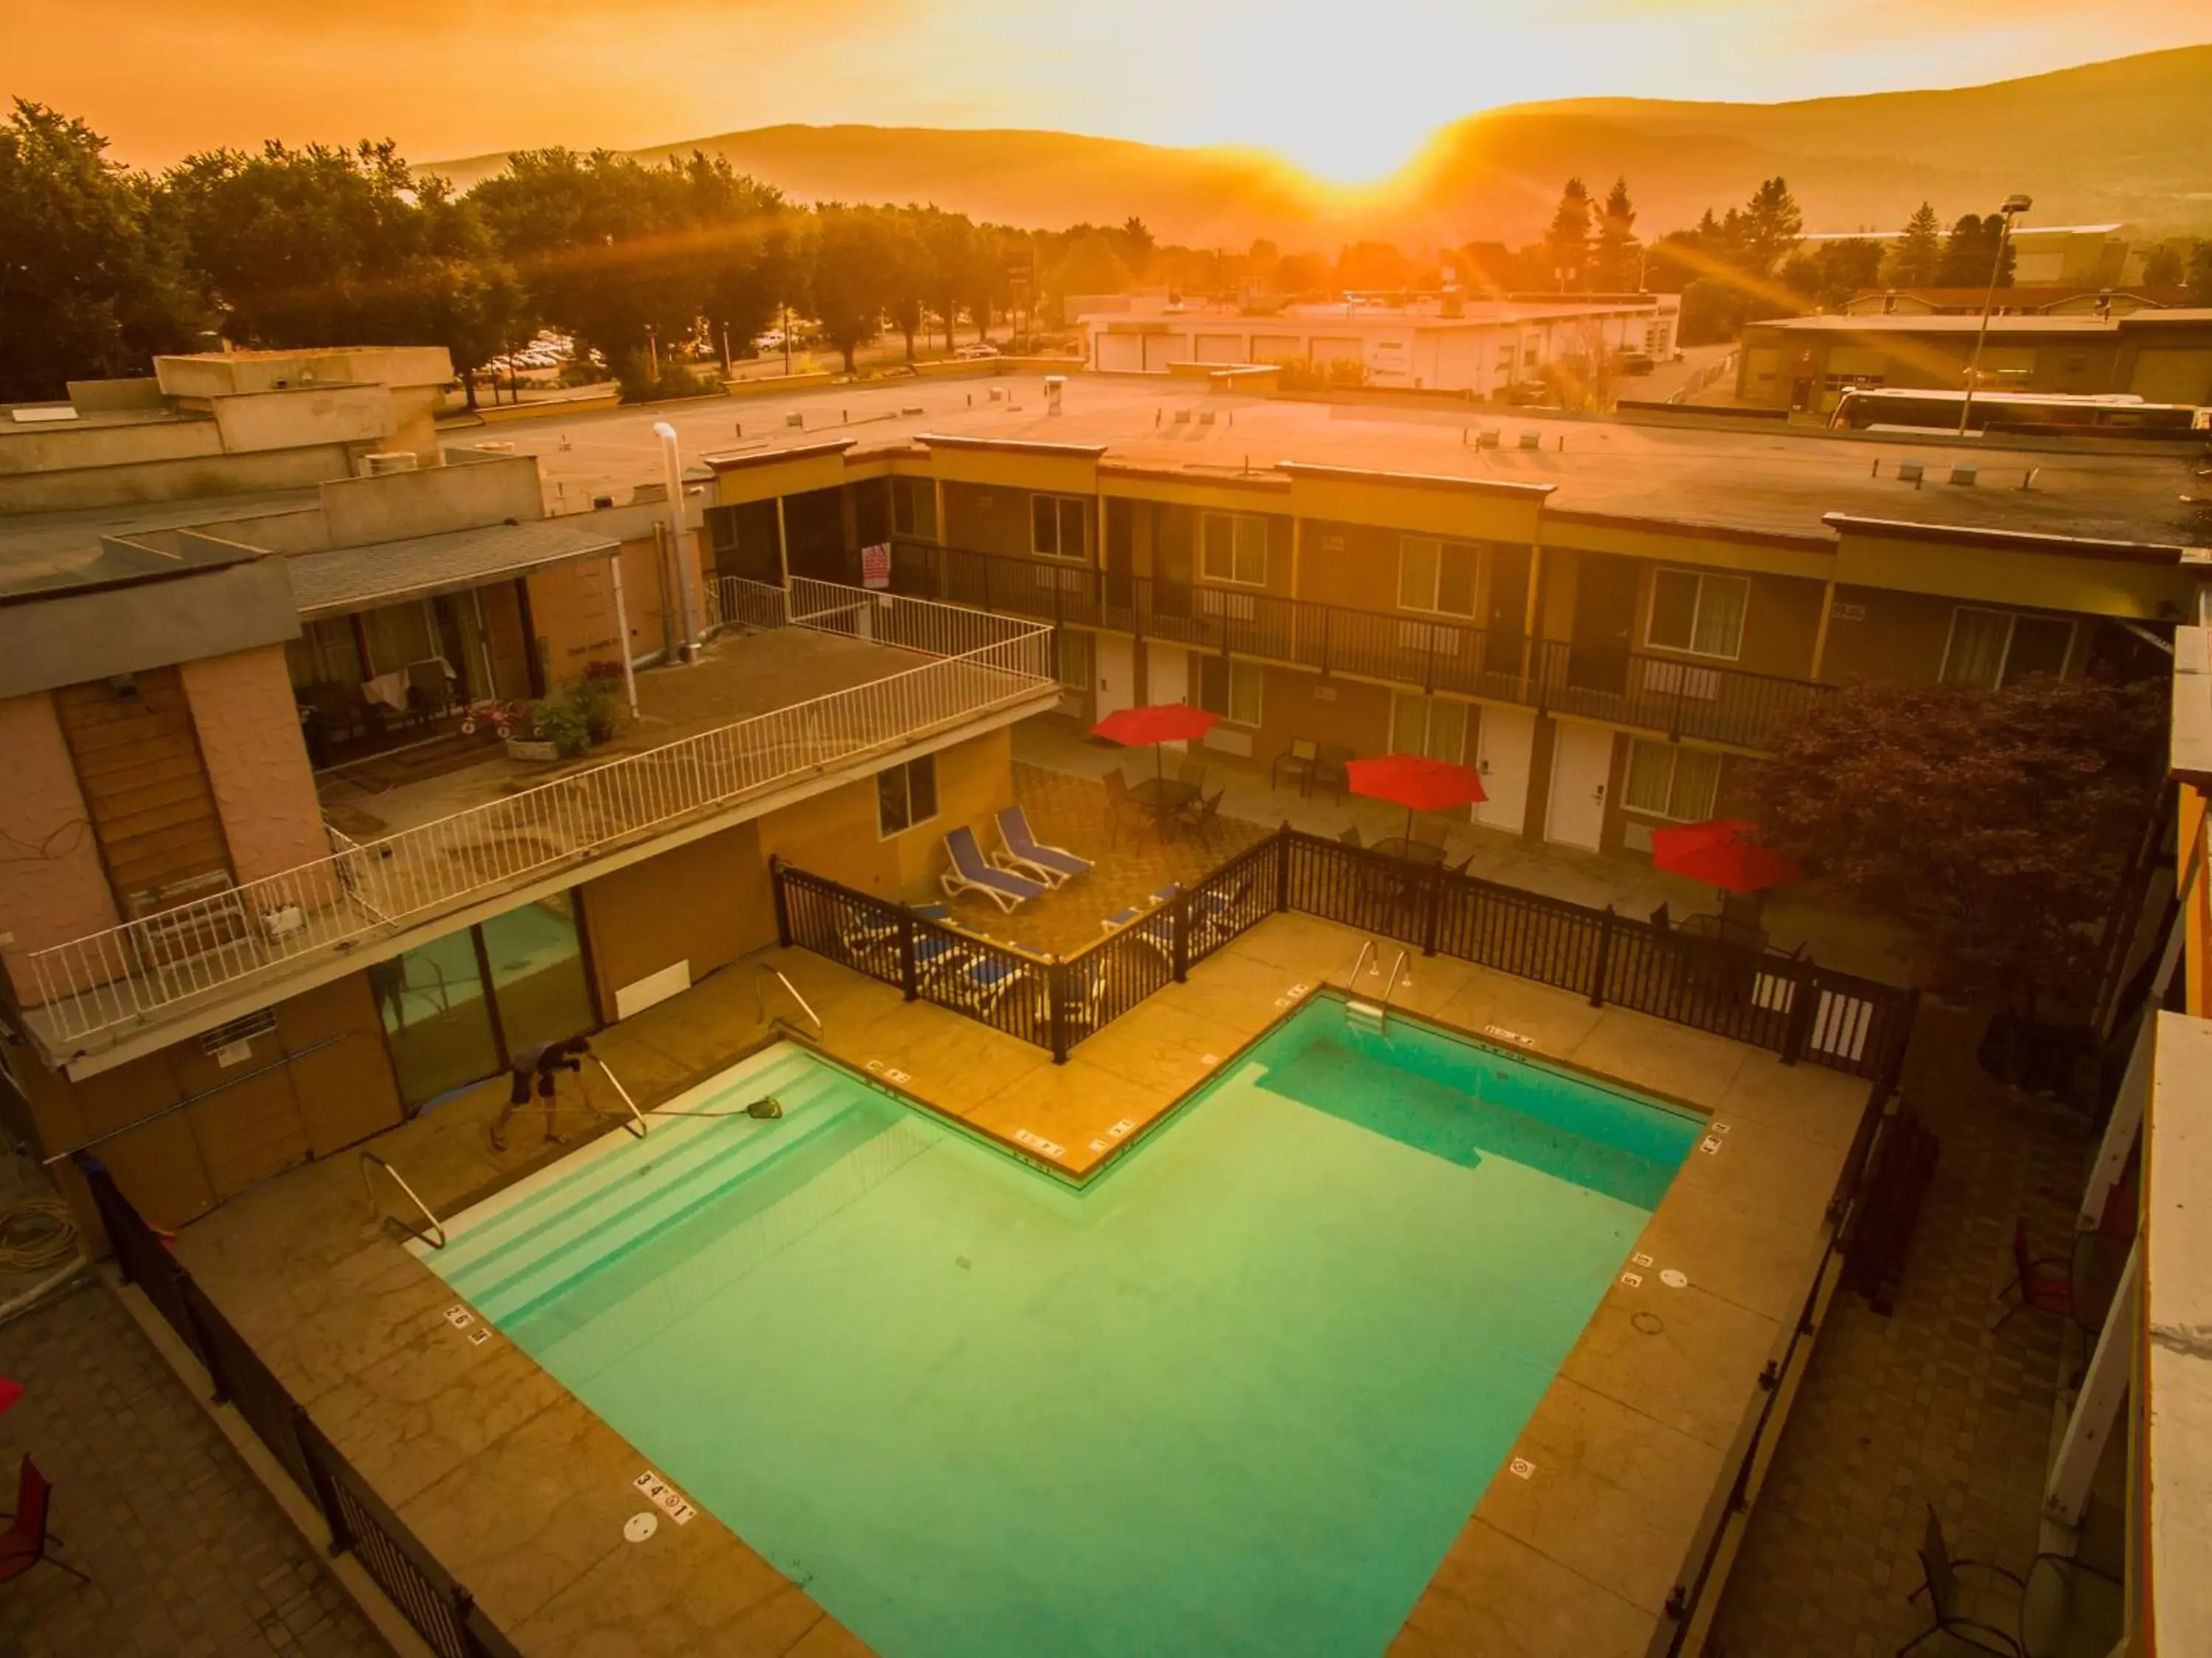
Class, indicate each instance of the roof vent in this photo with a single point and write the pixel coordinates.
(1911, 471)
(1964, 473)
(1532, 439)
(381, 461)
(1487, 438)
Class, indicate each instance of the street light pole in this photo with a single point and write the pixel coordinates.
(2012, 204)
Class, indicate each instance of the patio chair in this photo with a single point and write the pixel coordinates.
(1191, 769)
(1298, 760)
(2045, 1285)
(26, 1540)
(2061, 1607)
(874, 932)
(1203, 813)
(1329, 769)
(429, 690)
(1122, 918)
(979, 981)
(971, 872)
(1430, 832)
(1024, 854)
(1350, 837)
(1117, 803)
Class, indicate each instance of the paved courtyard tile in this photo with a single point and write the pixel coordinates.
(188, 1554)
(1928, 1404)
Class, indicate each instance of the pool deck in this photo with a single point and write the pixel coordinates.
(521, 1492)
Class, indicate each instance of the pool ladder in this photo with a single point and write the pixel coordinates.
(1376, 1013)
(435, 1237)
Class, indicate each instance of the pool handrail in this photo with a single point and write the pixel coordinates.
(635, 1128)
(368, 1190)
(760, 998)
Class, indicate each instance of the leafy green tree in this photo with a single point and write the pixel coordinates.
(1613, 262)
(1971, 249)
(2165, 268)
(1995, 825)
(91, 280)
(607, 248)
(1832, 273)
(1918, 254)
(1301, 273)
(905, 272)
(1089, 264)
(948, 254)
(1373, 266)
(1132, 244)
(740, 251)
(850, 253)
(2200, 274)
(1567, 241)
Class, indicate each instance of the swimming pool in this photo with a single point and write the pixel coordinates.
(1237, 1395)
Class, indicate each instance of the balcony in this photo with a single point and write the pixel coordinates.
(904, 669)
(1663, 695)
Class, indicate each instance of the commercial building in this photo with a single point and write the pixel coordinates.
(1480, 347)
(1804, 364)
(2087, 255)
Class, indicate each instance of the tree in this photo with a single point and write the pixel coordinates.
(1133, 243)
(607, 248)
(1970, 250)
(1301, 273)
(1372, 266)
(1995, 824)
(1770, 226)
(1088, 265)
(2164, 268)
(1832, 273)
(2200, 274)
(1613, 266)
(1566, 243)
(741, 251)
(1918, 254)
(90, 278)
(850, 252)
(1263, 265)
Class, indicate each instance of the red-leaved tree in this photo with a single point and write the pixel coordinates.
(1996, 826)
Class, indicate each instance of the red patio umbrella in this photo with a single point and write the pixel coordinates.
(1416, 783)
(1139, 727)
(1722, 852)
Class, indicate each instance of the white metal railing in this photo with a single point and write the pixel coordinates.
(732, 602)
(125, 973)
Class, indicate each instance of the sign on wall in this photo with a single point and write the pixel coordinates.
(876, 565)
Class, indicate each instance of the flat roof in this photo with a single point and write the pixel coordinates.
(1764, 479)
(45, 548)
(1757, 478)
(347, 579)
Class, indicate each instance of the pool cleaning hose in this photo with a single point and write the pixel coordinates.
(36, 1233)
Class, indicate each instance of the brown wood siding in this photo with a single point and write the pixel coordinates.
(138, 762)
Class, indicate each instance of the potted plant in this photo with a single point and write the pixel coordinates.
(565, 728)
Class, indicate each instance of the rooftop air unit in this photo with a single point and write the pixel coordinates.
(381, 461)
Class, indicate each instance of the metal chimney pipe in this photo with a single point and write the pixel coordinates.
(671, 472)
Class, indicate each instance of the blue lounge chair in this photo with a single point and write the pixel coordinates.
(1123, 917)
(970, 873)
(1025, 854)
(874, 935)
(979, 980)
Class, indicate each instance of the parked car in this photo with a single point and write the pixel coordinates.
(1637, 363)
(976, 352)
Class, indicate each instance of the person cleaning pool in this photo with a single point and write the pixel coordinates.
(540, 1063)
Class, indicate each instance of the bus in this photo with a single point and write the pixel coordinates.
(2038, 413)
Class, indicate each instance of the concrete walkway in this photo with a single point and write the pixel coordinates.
(188, 1555)
(1927, 1406)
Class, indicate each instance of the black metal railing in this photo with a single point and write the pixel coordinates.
(1672, 696)
(1782, 1003)
(441, 1611)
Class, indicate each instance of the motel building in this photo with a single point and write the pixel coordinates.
(887, 1195)
(1446, 344)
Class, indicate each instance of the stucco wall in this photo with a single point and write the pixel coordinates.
(304, 415)
(249, 730)
(392, 506)
(706, 904)
(177, 479)
(52, 888)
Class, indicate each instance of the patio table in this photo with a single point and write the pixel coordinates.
(1164, 797)
(1414, 851)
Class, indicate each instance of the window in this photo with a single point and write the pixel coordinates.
(1231, 689)
(1667, 780)
(906, 796)
(1701, 614)
(1234, 548)
(914, 507)
(1993, 648)
(1436, 576)
(1434, 726)
(1056, 525)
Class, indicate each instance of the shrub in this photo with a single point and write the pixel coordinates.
(564, 725)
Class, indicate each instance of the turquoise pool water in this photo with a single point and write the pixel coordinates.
(1236, 1397)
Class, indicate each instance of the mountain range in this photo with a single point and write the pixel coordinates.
(2128, 139)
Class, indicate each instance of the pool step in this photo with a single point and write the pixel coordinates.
(1366, 1014)
(572, 1228)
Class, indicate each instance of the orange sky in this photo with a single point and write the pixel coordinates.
(1349, 87)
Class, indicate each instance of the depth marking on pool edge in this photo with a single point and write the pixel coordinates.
(1038, 1143)
(664, 1496)
(1521, 1467)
